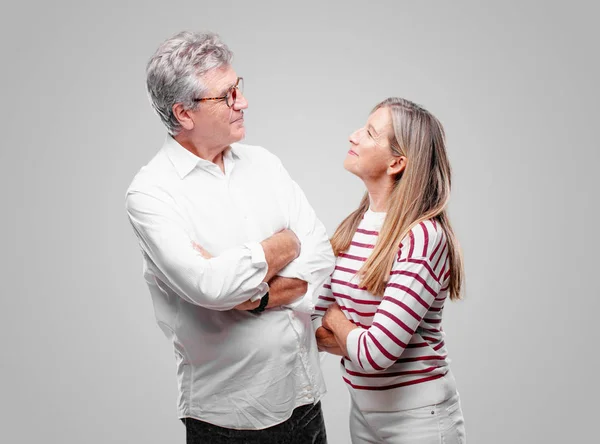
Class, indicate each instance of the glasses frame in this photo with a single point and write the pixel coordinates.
(230, 90)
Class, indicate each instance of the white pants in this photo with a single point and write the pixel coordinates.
(435, 424)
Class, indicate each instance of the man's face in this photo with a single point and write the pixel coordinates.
(215, 124)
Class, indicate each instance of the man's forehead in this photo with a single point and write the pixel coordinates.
(219, 78)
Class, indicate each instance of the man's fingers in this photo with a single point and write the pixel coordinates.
(248, 305)
(205, 254)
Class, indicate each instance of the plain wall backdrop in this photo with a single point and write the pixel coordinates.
(515, 85)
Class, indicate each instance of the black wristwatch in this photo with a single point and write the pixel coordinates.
(263, 304)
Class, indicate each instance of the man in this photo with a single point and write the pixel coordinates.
(232, 253)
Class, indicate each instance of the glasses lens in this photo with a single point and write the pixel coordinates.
(234, 91)
(232, 96)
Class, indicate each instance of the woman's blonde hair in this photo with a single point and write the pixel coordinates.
(419, 193)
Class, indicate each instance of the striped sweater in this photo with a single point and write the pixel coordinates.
(397, 356)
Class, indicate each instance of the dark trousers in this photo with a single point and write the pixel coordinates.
(306, 426)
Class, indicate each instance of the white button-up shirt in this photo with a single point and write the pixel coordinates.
(234, 369)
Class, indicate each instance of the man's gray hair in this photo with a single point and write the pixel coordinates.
(172, 74)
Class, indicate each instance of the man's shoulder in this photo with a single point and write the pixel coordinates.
(157, 174)
(253, 152)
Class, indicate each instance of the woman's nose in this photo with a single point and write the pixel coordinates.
(354, 137)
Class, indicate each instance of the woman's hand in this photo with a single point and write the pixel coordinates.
(326, 342)
(335, 320)
(333, 317)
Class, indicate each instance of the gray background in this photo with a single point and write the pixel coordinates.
(514, 83)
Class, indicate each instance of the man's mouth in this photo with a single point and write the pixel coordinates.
(238, 119)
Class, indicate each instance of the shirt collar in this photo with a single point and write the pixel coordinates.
(185, 161)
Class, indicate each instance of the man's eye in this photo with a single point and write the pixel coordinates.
(369, 133)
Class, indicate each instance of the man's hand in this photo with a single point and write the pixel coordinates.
(205, 254)
(248, 305)
(283, 290)
(296, 244)
(326, 342)
(280, 249)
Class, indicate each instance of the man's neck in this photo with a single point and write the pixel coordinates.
(213, 154)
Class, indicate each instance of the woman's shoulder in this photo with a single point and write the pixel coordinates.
(423, 240)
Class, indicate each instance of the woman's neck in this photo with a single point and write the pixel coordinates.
(379, 195)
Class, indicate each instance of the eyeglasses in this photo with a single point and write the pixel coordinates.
(231, 95)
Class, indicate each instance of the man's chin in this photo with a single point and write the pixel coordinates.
(238, 136)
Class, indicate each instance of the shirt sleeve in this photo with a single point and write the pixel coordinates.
(410, 291)
(219, 283)
(316, 260)
(324, 299)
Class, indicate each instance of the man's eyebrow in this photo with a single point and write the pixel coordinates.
(225, 89)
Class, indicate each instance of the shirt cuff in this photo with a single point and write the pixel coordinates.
(258, 259)
(295, 270)
(257, 254)
(261, 290)
(352, 344)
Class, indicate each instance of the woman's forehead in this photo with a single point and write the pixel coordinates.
(381, 120)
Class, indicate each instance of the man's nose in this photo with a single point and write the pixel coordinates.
(240, 102)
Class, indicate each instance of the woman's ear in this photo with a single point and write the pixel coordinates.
(183, 116)
(396, 165)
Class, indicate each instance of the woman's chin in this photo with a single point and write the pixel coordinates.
(350, 166)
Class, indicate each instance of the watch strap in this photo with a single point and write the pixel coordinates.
(263, 304)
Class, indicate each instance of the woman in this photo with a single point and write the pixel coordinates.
(397, 262)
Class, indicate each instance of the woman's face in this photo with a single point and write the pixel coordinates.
(370, 154)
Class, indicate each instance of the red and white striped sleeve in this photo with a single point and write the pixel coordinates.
(414, 283)
(324, 300)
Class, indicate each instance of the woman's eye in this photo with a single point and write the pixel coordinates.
(369, 133)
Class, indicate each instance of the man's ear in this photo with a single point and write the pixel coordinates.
(397, 165)
(183, 116)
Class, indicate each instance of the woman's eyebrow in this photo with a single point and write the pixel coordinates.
(369, 126)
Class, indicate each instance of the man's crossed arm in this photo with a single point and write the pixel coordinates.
(280, 249)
